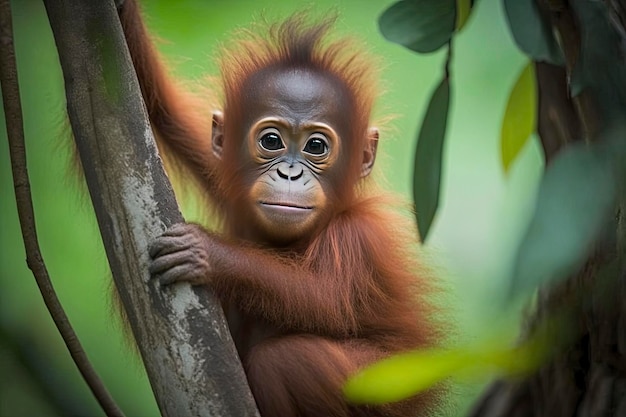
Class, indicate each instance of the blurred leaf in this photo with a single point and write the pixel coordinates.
(463, 9)
(597, 67)
(520, 116)
(428, 158)
(404, 375)
(420, 25)
(574, 200)
(532, 33)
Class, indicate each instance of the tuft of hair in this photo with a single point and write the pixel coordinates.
(300, 41)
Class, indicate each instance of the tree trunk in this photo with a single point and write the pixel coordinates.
(181, 332)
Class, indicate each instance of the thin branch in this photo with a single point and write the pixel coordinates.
(17, 149)
(448, 60)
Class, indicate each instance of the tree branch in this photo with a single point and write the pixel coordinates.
(558, 121)
(181, 332)
(34, 259)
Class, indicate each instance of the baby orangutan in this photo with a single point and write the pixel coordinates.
(315, 273)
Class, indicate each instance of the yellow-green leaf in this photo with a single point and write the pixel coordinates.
(463, 8)
(520, 117)
(402, 376)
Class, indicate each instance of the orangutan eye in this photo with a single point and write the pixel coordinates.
(316, 146)
(270, 140)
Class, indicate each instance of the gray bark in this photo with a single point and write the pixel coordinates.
(181, 332)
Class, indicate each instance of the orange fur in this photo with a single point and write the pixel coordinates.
(296, 44)
(181, 120)
(312, 314)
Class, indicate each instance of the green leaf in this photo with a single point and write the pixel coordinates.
(463, 9)
(520, 117)
(532, 33)
(596, 67)
(428, 158)
(420, 25)
(402, 376)
(574, 201)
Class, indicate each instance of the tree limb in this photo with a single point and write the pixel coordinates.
(558, 121)
(181, 332)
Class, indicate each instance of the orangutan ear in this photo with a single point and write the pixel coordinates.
(369, 153)
(217, 134)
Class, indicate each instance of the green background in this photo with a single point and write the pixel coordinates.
(481, 217)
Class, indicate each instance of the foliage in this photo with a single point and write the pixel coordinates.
(575, 199)
(407, 374)
(425, 26)
(577, 196)
(428, 157)
(420, 25)
(519, 120)
(531, 31)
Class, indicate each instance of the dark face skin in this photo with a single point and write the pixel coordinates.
(296, 130)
